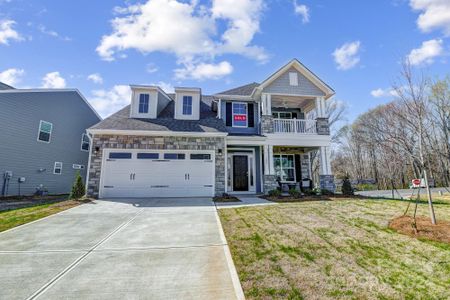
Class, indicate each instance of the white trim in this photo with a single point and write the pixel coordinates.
(182, 105)
(235, 97)
(249, 152)
(286, 154)
(60, 168)
(50, 133)
(282, 112)
(77, 166)
(187, 89)
(150, 87)
(139, 103)
(155, 133)
(82, 142)
(304, 140)
(232, 114)
(246, 140)
(86, 185)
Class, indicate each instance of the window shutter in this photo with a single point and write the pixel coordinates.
(298, 168)
(228, 114)
(251, 115)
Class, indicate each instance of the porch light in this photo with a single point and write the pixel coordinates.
(97, 149)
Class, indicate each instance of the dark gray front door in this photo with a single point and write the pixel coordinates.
(240, 173)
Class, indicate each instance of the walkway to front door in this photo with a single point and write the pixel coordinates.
(121, 249)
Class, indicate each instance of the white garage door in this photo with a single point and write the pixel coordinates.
(147, 173)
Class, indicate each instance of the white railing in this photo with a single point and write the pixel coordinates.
(294, 126)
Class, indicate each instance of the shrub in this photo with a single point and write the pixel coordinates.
(78, 189)
(326, 192)
(347, 187)
(294, 193)
(274, 193)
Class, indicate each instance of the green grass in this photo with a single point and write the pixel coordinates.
(16, 217)
(335, 250)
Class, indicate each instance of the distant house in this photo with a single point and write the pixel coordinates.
(43, 139)
(249, 139)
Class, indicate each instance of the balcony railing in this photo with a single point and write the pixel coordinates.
(294, 126)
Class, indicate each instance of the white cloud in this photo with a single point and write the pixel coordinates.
(204, 71)
(11, 76)
(426, 53)
(53, 80)
(151, 68)
(346, 57)
(186, 29)
(435, 15)
(166, 87)
(383, 93)
(107, 102)
(302, 10)
(95, 78)
(52, 33)
(7, 32)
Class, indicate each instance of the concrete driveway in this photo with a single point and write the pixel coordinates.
(121, 249)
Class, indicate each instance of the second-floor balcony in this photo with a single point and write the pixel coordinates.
(295, 126)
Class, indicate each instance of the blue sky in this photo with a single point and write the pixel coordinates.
(355, 46)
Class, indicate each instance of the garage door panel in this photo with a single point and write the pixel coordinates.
(158, 178)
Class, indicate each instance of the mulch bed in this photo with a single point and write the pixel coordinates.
(287, 199)
(227, 198)
(439, 232)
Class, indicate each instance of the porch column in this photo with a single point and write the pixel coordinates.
(326, 177)
(270, 182)
(266, 101)
(320, 107)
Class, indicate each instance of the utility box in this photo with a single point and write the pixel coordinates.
(21, 179)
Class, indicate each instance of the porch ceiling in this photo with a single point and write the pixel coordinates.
(292, 102)
(292, 150)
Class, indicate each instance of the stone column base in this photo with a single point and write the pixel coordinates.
(270, 183)
(327, 183)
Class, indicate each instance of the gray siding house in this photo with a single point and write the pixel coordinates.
(43, 141)
(250, 139)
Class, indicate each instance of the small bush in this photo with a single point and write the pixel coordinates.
(274, 193)
(78, 189)
(326, 192)
(294, 193)
(347, 187)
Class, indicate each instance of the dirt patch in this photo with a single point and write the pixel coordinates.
(439, 232)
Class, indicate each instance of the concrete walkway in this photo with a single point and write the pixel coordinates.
(246, 200)
(121, 249)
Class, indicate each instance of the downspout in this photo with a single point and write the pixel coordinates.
(91, 144)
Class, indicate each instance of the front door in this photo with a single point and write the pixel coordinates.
(240, 173)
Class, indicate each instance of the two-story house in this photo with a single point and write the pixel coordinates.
(43, 139)
(245, 140)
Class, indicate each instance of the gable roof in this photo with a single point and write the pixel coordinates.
(165, 122)
(244, 90)
(295, 63)
(4, 86)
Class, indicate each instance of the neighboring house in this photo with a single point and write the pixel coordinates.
(43, 139)
(243, 140)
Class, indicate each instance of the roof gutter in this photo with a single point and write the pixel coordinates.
(155, 133)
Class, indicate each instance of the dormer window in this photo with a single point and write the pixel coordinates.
(187, 105)
(143, 103)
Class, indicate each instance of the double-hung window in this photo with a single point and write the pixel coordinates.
(57, 169)
(144, 100)
(285, 167)
(45, 131)
(84, 142)
(240, 114)
(187, 105)
(282, 115)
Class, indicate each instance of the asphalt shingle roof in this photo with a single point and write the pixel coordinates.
(4, 86)
(165, 122)
(245, 90)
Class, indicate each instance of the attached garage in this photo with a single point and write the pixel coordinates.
(157, 173)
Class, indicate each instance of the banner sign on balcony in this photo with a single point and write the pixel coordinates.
(240, 118)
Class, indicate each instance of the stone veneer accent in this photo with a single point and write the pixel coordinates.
(266, 124)
(270, 183)
(157, 143)
(327, 182)
(323, 127)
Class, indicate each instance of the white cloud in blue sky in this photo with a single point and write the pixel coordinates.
(435, 15)
(11, 76)
(302, 10)
(347, 56)
(53, 80)
(426, 53)
(7, 32)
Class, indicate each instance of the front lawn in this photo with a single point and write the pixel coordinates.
(16, 217)
(335, 249)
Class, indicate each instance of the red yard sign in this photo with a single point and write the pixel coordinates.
(240, 117)
(416, 181)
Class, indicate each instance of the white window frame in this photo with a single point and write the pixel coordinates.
(82, 142)
(232, 115)
(182, 105)
(55, 167)
(281, 112)
(293, 78)
(280, 155)
(139, 104)
(39, 132)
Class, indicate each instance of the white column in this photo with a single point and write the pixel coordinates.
(269, 104)
(226, 166)
(325, 161)
(320, 107)
(266, 160)
(271, 165)
(263, 104)
(219, 109)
